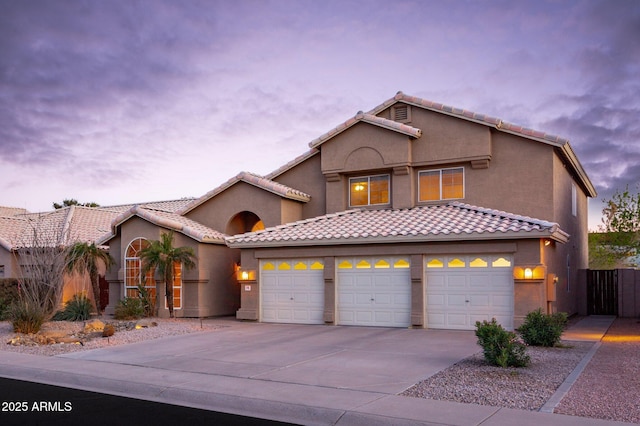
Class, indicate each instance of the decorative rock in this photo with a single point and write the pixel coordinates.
(146, 323)
(93, 325)
(109, 330)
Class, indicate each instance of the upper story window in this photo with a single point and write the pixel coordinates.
(574, 200)
(442, 184)
(369, 190)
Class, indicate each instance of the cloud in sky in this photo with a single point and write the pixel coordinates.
(124, 101)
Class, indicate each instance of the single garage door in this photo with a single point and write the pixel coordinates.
(461, 290)
(374, 291)
(292, 291)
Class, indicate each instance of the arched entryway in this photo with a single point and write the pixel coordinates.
(244, 222)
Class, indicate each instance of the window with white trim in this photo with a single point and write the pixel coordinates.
(1, 271)
(574, 199)
(441, 184)
(133, 270)
(369, 190)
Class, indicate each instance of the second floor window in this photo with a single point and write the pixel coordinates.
(369, 190)
(443, 184)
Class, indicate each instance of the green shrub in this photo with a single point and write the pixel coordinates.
(130, 308)
(26, 317)
(76, 309)
(541, 329)
(148, 301)
(8, 295)
(501, 347)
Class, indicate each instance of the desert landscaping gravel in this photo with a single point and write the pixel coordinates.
(608, 388)
(474, 381)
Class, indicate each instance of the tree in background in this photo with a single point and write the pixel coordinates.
(162, 256)
(617, 243)
(86, 258)
(73, 202)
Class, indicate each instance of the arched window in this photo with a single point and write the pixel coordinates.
(133, 270)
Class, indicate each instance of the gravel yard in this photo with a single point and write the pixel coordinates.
(164, 328)
(609, 388)
(474, 381)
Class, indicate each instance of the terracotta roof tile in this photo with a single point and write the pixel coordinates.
(11, 211)
(367, 118)
(452, 221)
(168, 220)
(252, 179)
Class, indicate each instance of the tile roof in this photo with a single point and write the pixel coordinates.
(367, 118)
(470, 115)
(445, 222)
(55, 228)
(168, 220)
(11, 211)
(252, 179)
(291, 164)
(563, 145)
(70, 224)
(168, 206)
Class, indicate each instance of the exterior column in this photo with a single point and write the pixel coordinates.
(329, 290)
(417, 291)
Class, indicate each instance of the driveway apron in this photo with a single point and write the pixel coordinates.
(380, 360)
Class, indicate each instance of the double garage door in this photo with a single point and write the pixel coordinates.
(376, 291)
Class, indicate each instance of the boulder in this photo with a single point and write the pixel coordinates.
(93, 325)
(109, 330)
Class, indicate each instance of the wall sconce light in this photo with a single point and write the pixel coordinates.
(528, 273)
(245, 274)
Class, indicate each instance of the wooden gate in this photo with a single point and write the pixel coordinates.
(602, 292)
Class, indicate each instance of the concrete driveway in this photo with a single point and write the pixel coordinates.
(380, 360)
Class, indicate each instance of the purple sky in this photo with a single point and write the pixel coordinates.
(124, 101)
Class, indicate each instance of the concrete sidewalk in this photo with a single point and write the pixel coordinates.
(298, 374)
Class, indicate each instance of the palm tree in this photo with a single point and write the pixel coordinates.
(86, 258)
(162, 256)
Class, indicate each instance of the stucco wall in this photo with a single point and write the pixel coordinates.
(308, 178)
(217, 212)
(208, 290)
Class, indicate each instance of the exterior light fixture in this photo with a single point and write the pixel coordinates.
(528, 273)
(245, 274)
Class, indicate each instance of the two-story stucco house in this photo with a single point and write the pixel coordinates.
(412, 214)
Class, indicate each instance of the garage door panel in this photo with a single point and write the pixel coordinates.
(293, 294)
(480, 300)
(376, 293)
(458, 296)
(456, 300)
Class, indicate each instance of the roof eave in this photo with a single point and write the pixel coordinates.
(554, 234)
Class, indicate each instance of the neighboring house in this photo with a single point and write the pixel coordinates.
(413, 214)
(20, 229)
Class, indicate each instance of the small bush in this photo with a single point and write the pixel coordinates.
(26, 317)
(148, 301)
(501, 347)
(541, 329)
(8, 295)
(130, 308)
(76, 309)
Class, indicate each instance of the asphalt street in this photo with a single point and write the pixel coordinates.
(27, 403)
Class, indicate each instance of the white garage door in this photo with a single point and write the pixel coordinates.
(374, 291)
(461, 290)
(292, 291)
